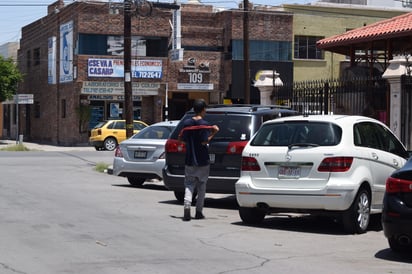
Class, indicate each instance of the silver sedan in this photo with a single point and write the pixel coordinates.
(141, 157)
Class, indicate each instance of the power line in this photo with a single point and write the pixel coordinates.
(24, 5)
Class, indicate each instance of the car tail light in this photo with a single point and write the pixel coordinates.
(173, 145)
(394, 185)
(335, 164)
(118, 152)
(250, 164)
(99, 132)
(236, 147)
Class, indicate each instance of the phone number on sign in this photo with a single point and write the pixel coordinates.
(147, 74)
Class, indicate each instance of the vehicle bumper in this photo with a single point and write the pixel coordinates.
(328, 198)
(124, 168)
(221, 185)
(96, 142)
(396, 218)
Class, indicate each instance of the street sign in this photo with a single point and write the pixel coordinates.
(24, 99)
(176, 55)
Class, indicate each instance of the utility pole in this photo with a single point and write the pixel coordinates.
(127, 60)
(246, 66)
(140, 8)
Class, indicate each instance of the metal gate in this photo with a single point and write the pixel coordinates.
(368, 97)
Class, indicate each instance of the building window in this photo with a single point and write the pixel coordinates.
(37, 109)
(63, 110)
(263, 50)
(305, 47)
(28, 60)
(36, 56)
(93, 44)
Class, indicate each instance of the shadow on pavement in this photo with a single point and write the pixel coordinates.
(389, 255)
(146, 185)
(227, 202)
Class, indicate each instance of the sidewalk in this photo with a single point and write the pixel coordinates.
(46, 147)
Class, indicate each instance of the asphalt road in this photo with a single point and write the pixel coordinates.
(58, 215)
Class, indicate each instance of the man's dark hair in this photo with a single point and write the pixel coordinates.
(199, 105)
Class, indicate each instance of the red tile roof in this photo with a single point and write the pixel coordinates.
(395, 27)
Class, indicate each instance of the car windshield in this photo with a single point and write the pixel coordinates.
(154, 132)
(299, 133)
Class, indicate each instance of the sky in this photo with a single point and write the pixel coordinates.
(14, 14)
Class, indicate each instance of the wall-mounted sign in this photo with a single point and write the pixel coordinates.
(117, 88)
(111, 98)
(51, 60)
(148, 69)
(195, 76)
(66, 52)
(24, 98)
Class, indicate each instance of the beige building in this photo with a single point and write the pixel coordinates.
(320, 20)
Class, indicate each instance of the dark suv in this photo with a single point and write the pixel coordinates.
(237, 124)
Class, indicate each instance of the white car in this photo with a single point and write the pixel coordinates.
(326, 164)
(142, 156)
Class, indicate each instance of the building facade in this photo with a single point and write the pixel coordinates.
(72, 61)
(314, 22)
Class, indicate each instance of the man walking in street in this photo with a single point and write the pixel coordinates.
(196, 134)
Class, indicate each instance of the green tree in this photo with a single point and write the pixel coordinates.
(10, 76)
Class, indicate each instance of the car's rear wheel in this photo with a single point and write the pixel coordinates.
(110, 143)
(251, 215)
(356, 218)
(400, 245)
(136, 181)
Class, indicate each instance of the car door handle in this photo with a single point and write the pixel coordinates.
(375, 156)
(395, 162)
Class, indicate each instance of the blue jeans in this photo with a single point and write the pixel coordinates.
(196, 178)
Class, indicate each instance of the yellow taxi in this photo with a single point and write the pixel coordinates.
(108, 134)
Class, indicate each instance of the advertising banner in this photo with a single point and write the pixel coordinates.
(51, 61)
(66, 52)
(143, 69)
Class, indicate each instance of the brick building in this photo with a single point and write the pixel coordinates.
(72, 60)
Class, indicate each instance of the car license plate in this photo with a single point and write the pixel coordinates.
(140, 154)
(289, 172)
(212, 158)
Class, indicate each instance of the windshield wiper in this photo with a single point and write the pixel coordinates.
(302, 145)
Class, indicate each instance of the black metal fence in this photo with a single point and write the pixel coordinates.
(406, 110)
(367, 97)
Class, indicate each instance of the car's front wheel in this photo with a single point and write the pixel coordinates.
(110, 143)
(136, 181)
(356, 218)
(251, 215)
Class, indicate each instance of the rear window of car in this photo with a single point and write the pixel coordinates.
(298, 132)
(154, 132)
(99, 125)
(232, 128)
